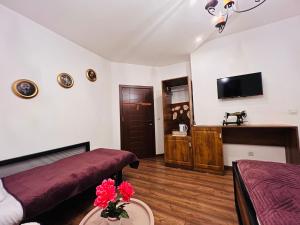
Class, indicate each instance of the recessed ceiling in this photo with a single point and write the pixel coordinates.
(147, 32)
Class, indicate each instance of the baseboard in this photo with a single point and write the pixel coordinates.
(160, 155)
(227, 167)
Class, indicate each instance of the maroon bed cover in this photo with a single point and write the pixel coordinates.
(274, 189)
(42, 188)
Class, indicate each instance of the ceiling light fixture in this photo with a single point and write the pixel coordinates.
(230, 6)
(199, 39)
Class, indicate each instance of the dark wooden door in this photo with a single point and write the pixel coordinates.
(137, 120)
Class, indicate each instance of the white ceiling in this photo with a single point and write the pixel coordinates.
(148, 32)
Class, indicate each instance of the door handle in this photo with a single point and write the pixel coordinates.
(150, 122)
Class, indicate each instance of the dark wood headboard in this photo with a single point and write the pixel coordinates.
(15, 165)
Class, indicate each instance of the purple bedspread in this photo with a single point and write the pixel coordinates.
(44, 187)
(274, 189)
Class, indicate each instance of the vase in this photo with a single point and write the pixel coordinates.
(113, 221)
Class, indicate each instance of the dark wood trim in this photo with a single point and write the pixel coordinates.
(175, 78)
(166, 101)
(40, 154)
(273, 135)
(227, 167)
(120, 108)
(192, 119)
(120, 112)
(178, 151)
(135, 86)
(121, 116)
(160, 155)
(244, 207)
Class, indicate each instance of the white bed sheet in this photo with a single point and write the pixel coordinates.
(11, 211)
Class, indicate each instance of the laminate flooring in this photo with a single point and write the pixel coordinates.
(176, 197)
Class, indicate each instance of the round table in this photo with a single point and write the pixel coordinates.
(138, 211)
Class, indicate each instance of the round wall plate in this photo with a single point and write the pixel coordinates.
(25, 88)
(65, 80)
(91, 75)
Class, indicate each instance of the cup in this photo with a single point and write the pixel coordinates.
(183, 128)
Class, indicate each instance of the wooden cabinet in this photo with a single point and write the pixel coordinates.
(177, 109)
(207, 148)
(206, 153)
(178, 151)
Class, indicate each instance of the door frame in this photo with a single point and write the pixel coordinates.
(120, 112)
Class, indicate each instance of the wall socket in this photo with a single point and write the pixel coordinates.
(250, 153)
(293, 111)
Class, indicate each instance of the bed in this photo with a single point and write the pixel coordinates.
(267, 193)
(33, 184)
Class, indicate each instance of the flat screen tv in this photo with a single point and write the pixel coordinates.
(240, 86)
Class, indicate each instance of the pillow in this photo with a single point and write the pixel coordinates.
(2, 192)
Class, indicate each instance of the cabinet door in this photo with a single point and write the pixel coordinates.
(208, 151)
(178, 151)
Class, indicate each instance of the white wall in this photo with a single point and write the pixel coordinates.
(56, 117)
(274, 50)
(127, 74)
(59, 117)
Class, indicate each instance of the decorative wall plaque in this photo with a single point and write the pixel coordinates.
(91, 75)
(65, 80)
(25, 88)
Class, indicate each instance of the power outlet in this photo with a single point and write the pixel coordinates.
(293, 111)
(250, 153)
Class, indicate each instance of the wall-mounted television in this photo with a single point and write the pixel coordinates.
(240, 86)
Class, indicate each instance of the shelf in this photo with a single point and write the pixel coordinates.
(187, 102)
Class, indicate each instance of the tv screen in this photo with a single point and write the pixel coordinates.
(240, 86)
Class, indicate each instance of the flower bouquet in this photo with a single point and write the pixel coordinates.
(112, 199)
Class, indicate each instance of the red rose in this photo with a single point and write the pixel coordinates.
(106, 192)
(126, 191)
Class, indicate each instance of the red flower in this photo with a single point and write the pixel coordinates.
(126, 191)
(106, 192)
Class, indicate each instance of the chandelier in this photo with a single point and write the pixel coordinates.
(230, 6)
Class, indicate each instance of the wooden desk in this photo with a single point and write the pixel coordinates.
(208, 143)
(286, 136)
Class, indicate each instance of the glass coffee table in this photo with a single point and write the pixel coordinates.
(138, 211)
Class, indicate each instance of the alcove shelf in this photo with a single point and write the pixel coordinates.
(177, 109)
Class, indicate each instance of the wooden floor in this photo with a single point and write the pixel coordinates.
(176, 197)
